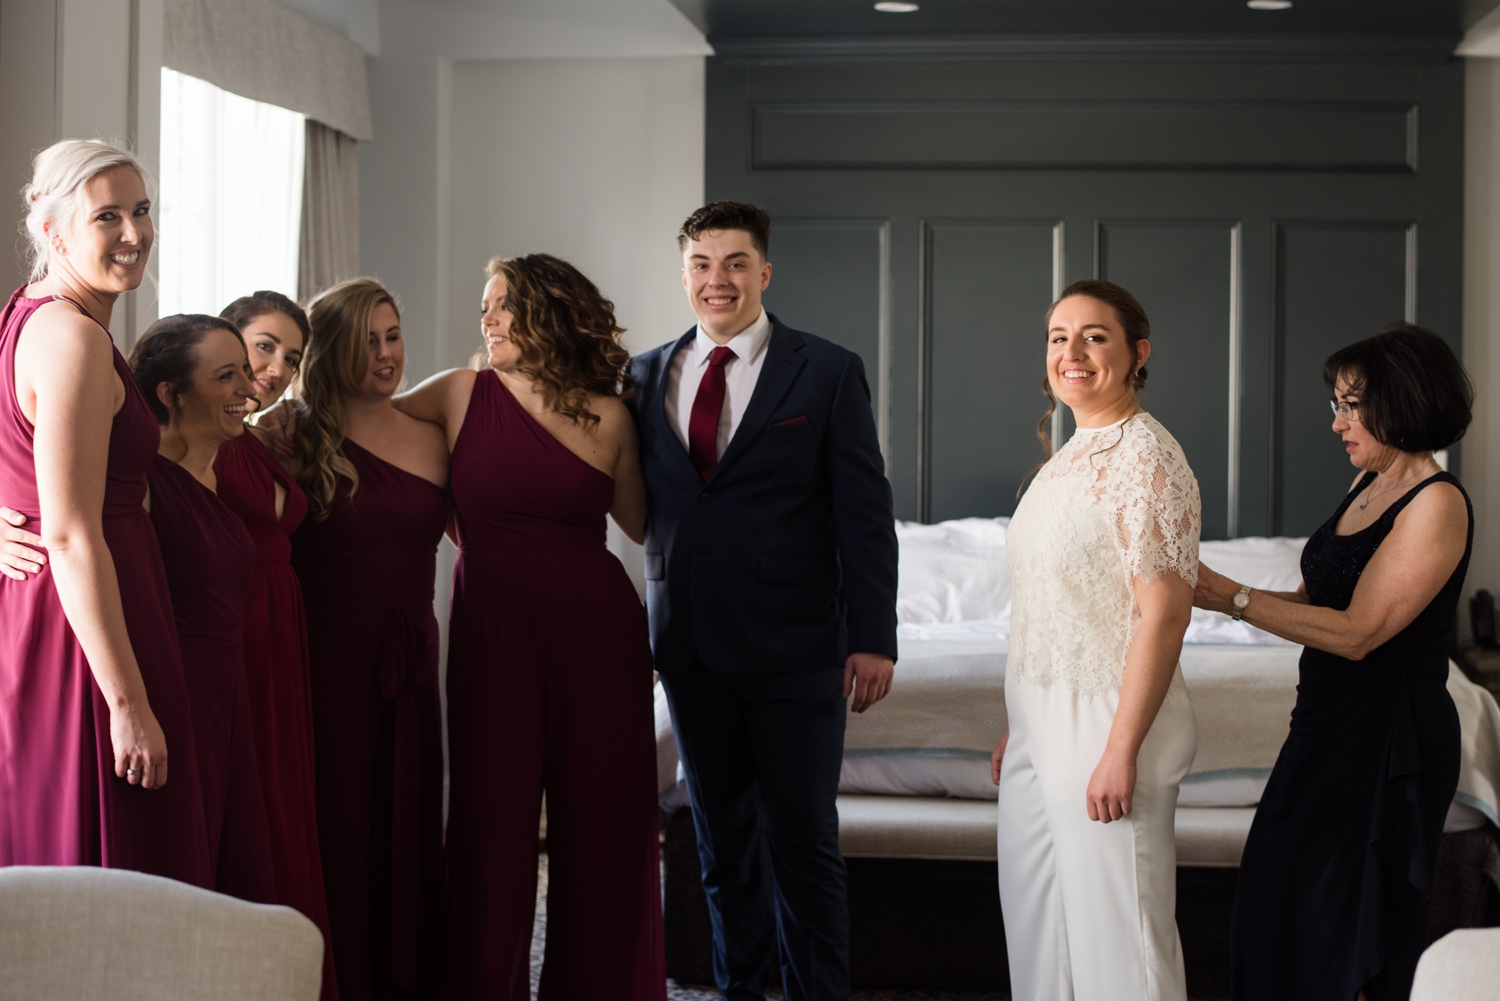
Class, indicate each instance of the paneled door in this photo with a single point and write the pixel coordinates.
(1266, 211)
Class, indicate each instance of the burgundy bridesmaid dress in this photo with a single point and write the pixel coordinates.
(549, 686)
(60, 801)
(208, 557)
(367, 574)
(277, 674)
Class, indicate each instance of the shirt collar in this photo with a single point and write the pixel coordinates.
(747, 345)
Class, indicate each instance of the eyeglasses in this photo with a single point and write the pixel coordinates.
(1349, 411)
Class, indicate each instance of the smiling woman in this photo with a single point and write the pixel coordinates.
(92, 697)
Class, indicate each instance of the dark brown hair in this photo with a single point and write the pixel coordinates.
(250, 307)
(1132, 320)
(1413, 391)
(566, 333)
(715, 217)
(167, 352)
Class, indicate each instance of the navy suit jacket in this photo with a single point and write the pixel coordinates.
(785, 559)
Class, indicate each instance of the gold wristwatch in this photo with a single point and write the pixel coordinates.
(1241, 602)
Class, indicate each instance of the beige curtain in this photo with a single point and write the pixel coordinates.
(330, 210)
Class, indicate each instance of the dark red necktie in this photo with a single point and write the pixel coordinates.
(708, 405)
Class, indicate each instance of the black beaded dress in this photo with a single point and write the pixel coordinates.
(1335, 885)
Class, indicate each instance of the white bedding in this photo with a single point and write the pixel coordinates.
(933, 734)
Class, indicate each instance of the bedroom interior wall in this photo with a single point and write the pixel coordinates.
(1481, 447)
(79, 69)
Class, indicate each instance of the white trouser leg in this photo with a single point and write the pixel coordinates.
(1035, 932)
(1115, 883)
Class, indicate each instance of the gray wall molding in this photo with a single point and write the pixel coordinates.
(1355, 136)
(1189, 48)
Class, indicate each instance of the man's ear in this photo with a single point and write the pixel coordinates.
(765, 276)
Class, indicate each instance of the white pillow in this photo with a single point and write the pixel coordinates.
(953, 571)
(1269, 564)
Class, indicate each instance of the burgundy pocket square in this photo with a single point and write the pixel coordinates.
(787, 424)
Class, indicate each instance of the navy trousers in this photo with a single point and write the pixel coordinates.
(762, 754)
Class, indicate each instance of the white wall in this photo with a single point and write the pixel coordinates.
(597, 161)
(78, 69)
(1481, 448)
(356, 20)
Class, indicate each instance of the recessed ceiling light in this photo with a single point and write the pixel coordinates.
(892, 7)
(1268, 4)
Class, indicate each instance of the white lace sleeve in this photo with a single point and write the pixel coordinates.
(1159, 517)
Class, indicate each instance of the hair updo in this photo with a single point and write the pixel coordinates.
(59, 175)
(168, 351)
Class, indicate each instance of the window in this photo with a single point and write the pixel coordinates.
(231, 196)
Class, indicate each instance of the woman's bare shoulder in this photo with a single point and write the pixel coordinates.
(426, 433)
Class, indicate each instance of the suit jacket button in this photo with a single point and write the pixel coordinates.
(707, 495)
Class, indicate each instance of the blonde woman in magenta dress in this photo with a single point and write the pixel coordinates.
(1103, 555)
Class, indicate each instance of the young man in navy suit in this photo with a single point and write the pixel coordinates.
(771, 588)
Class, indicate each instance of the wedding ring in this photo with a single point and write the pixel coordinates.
(131, 771)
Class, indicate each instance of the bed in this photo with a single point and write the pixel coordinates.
(917, 807)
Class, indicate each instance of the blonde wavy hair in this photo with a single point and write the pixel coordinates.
(566, 333)
(335, 364)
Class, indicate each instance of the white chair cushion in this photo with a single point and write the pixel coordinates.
(1463, 965)
(90, 934)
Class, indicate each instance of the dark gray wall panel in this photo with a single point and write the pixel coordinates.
(1087, 135)
(829, 277)
(987, 289)
(1183, 273)
(1337, 282)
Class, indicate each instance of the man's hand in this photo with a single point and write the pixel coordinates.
(868, 676)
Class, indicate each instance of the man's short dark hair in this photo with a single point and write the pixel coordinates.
(1413, 392)
(715, 217)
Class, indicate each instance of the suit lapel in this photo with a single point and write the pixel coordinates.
(783, 361)
(658, 410)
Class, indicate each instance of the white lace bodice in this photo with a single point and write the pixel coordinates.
(1114, 503)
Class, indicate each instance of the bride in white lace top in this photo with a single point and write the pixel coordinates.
(1116, 504)
(1103, 556)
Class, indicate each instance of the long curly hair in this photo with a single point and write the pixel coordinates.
(566, 333)
(335, 364)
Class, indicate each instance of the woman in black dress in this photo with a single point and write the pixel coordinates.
(1335, 884)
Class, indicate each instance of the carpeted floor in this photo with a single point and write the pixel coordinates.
(699, 992)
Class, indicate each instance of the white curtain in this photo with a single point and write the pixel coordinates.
(230, 204)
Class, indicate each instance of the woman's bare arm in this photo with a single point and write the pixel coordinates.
(629, 509)
(65, 363)
(442, 399)
(1411, 566)
(1166, 605)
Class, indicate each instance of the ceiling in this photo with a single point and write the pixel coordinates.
(726, 19)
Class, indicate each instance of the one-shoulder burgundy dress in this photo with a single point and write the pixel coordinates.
(549, 686)
(1335, 886)
(208, 557)
(367, 573)
(60, 801)
(277, 674)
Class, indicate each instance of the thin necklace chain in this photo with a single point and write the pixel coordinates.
(1370, 495)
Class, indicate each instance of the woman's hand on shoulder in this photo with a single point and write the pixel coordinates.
(440, 399)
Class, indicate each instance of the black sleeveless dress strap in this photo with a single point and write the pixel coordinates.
(1335, 884)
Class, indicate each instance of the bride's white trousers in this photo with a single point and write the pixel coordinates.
(1090, 908)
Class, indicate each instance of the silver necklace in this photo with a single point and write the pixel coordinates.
(1370, 495)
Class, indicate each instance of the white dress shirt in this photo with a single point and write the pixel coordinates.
(740, 375)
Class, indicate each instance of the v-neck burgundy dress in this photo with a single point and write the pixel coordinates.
(60, 801)
(367, 574)
(277, 674)
(549, 686)
(208, 557)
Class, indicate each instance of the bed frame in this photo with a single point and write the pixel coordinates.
(925, 913)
